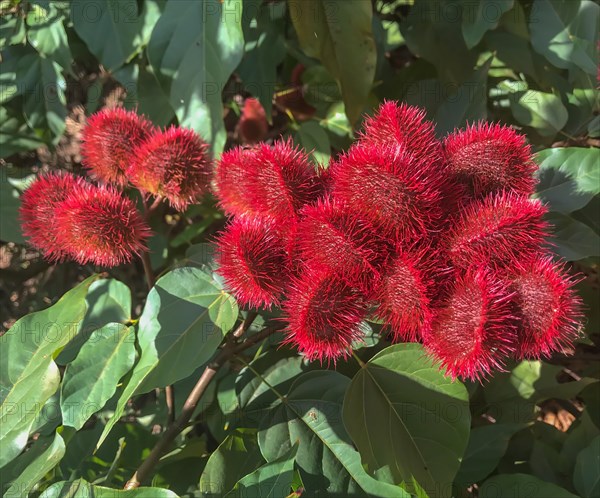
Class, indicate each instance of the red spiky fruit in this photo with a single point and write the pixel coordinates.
(253, 126)
(390, 188)
(99, 225)
(404, 294)
(232, 181)
(474, 331)
(285, 181)
(501, 228)
(38, 211)
(401, 124)
(174, 164)
(547, 307)
(331, 237)
(324, 315)
(253, 261)
(108, 143)
(490, 158)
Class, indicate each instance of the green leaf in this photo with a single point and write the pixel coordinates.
(511, 396)
(573, 240)
(264, 50)
(543, 111)
(311, 414)
(15, 135)
(111, 30)
(28, 374)
(566, 32)
(482, 16)
(83, 489)
(46, 33)
(579, 164)
(92, 378)
(10, 228)
(313, 138)
(433, 31)
(44, 103)
(235, 457)
(586, 476)
(109, 301)
(467, 105)
(12, 30)
(42, 457)
(186, 316)
(486, 448)
(339, 34)
(194, 48)
(517, 485)
(407, 419)
(271, 480)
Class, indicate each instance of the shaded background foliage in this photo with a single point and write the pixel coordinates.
(81, 381)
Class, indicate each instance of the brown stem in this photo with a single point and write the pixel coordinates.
(148, 269)
(228, 351)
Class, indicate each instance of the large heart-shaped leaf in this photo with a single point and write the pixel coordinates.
(407, 419)
(311, 414)
(92, 378)
(194, 48)
(28, 374)
(339, 34)
(186, 316)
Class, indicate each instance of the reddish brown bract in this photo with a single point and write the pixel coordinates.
(174, 164)
(490, 158)
(108, 143)
(253, 261)
(98, 225)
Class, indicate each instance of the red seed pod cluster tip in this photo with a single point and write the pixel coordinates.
(439, 241)
(66, 217)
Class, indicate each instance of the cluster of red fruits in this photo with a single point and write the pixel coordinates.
(67, 217)
(440, 242)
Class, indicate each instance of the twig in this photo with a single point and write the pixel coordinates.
(148, 269)
(228, 351)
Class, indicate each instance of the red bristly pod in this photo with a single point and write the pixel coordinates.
(108, 143)
(324, 315)
(38, 211)
(548, 310)
(404, 294)
(404, 125)
(490, 158)
(502, 229)
(331, 237)
(233, 176)
(473, 332)
(388, 187)
(174, 164)
(253, 261)
(286, 180)
(99, 225)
